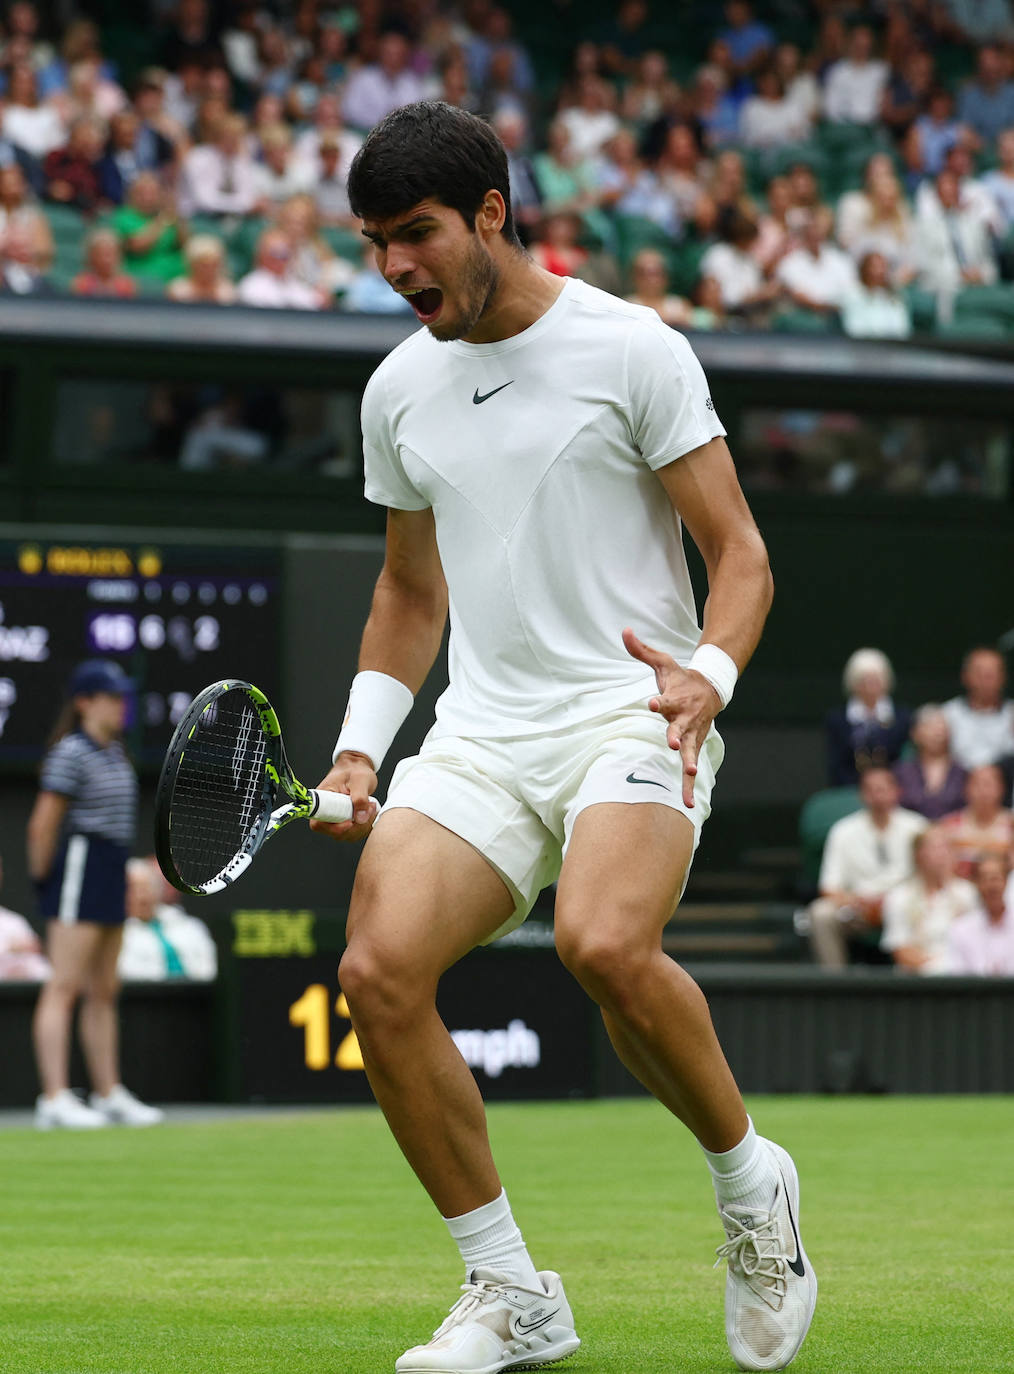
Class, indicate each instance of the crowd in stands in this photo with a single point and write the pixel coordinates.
(918, 868)
(804, 166)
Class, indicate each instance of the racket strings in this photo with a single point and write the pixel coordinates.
(221, 791)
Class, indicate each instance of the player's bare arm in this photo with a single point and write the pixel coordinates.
(401, 639)
(705, 492)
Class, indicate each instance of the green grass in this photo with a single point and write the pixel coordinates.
(299, 1244)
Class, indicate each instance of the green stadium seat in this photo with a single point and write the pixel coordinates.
(922, 306)
(633, 233)
(68, 225)
(241, 243)
(816, 818)
(972, 326)
(347, 243)
(685, 267)
(993, 302)
(805, 322)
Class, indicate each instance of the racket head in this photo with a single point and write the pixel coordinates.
(222, 773)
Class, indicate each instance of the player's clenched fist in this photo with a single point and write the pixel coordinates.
(352, 774)
(686, 699)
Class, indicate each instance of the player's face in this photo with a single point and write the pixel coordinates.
(444, 270)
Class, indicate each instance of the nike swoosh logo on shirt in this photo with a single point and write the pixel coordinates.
(648, 782)
(477, 400)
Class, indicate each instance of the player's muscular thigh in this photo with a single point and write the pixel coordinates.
(427, 890)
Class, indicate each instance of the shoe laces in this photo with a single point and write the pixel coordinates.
(475, 1294)
(756, 1252)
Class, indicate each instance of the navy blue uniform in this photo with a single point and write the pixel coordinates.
(87, 881)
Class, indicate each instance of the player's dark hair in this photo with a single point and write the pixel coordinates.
(430, 150)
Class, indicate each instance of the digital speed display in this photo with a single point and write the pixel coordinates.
(175, 616)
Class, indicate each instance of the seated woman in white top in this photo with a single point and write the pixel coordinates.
(873, 309)
(877, 219)
(769, 119)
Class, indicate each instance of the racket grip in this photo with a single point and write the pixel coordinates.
(334, 807)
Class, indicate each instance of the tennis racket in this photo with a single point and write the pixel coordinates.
(218, 795)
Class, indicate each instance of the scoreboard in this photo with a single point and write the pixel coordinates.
(175, 616)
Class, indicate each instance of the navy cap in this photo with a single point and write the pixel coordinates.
(98, 675)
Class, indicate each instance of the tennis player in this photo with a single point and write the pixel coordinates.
(538, 445)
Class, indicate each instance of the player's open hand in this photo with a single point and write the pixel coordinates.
(353, 774)
(687, 701)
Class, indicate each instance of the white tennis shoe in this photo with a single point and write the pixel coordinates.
(122, 1108)
(66, 1112)
(770, 1288)
(496, 1325)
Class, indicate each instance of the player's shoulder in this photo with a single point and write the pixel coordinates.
(613, 311)
(650, 347)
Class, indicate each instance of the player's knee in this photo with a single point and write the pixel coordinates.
(604, 958)
(381, 990)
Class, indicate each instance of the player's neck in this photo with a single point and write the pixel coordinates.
(523, 295)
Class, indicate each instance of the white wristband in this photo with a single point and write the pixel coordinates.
(720, 670)
(378, 705)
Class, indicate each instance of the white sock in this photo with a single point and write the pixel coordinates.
(745, 1174)
(488, 1238)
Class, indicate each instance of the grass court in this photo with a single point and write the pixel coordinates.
(303, 1245)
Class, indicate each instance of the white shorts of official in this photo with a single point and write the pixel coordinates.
(516, 800)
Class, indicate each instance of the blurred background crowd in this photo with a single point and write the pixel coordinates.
(802, 165)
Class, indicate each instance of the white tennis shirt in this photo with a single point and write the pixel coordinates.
(537, 455)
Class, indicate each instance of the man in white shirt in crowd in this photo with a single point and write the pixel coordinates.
(160, 941)
(982, 941)
(999, 183)
(220, 178)
(328, 188)
(592, 121)
(865, 855)
(817, 275)
(855, 84)
(273, 283)
(982, 721)
(375, 90)
(329, 126)
(953, 243)
(281, 174)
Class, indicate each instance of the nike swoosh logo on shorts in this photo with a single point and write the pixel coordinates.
(477, 400)
(796, 1265)
(648, 782)
(534, 1326)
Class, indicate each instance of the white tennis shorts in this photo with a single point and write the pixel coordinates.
(516, 800)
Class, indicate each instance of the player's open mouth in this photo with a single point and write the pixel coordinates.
(426, 303)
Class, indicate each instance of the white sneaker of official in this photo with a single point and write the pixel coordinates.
(770, 1289)
(66, 1112)
(497, 1325)
(122, 1108)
